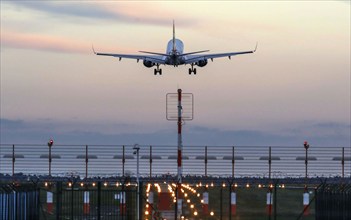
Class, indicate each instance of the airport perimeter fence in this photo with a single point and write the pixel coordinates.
(99, 182)
(106, 200)
(207, 161)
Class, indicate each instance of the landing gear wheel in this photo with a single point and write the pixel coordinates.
(194, 71)
(157, 70)
(189, 71)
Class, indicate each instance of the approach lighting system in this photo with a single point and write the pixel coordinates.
(50, 143)
(306, 145)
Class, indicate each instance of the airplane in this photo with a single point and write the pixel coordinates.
(174, 56)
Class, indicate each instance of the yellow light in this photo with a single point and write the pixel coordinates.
(202, 201)
(117, 184)
(211, 184)
(185, 195)
(259, 186)
(188, 201)
(105, 184)
(147, 206)
(198, 195)
(81, 184)
(200, 184)
(46, 184)
(94, 184)
(235, 185)
(283, 186)
(223, 185)
(192, 206)
(146, 212)
(247, 185)
(212, 213)
(271, 186)
(69, 184)
(206, 185)
(195, 213)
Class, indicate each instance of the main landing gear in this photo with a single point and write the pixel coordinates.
(192, 69)
(158, 70)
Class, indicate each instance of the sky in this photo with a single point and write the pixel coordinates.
(296, 86)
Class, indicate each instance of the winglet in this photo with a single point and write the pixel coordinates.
(255, 47)
(92, 47)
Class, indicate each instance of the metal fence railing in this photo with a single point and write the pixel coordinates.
(208, 161)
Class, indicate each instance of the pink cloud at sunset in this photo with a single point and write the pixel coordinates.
(48, 43)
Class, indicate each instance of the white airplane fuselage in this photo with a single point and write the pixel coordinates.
(174, 58)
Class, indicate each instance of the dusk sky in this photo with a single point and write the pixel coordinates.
(296, 86)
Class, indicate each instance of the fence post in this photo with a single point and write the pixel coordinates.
(86, 161)
(233, 162)
(58, 199)
(150, 162)
(123, 161)
(343, 162)
(206, 161)
(99, 201)
(270, 163)
(13, 160)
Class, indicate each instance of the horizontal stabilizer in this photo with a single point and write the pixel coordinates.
(154, 53)
(202, 51)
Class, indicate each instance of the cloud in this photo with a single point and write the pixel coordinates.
(145, 13)
(42, 42)
(34, 132)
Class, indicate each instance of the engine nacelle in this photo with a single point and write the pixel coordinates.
(148, 63)
(201, 63)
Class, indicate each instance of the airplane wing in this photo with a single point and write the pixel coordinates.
(154, 59)
(195, 58)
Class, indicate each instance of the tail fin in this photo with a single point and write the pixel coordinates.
(174, 43)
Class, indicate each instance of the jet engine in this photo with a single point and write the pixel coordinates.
(148, 63)
(201, 63)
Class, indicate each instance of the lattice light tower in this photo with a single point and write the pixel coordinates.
(179, 107)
